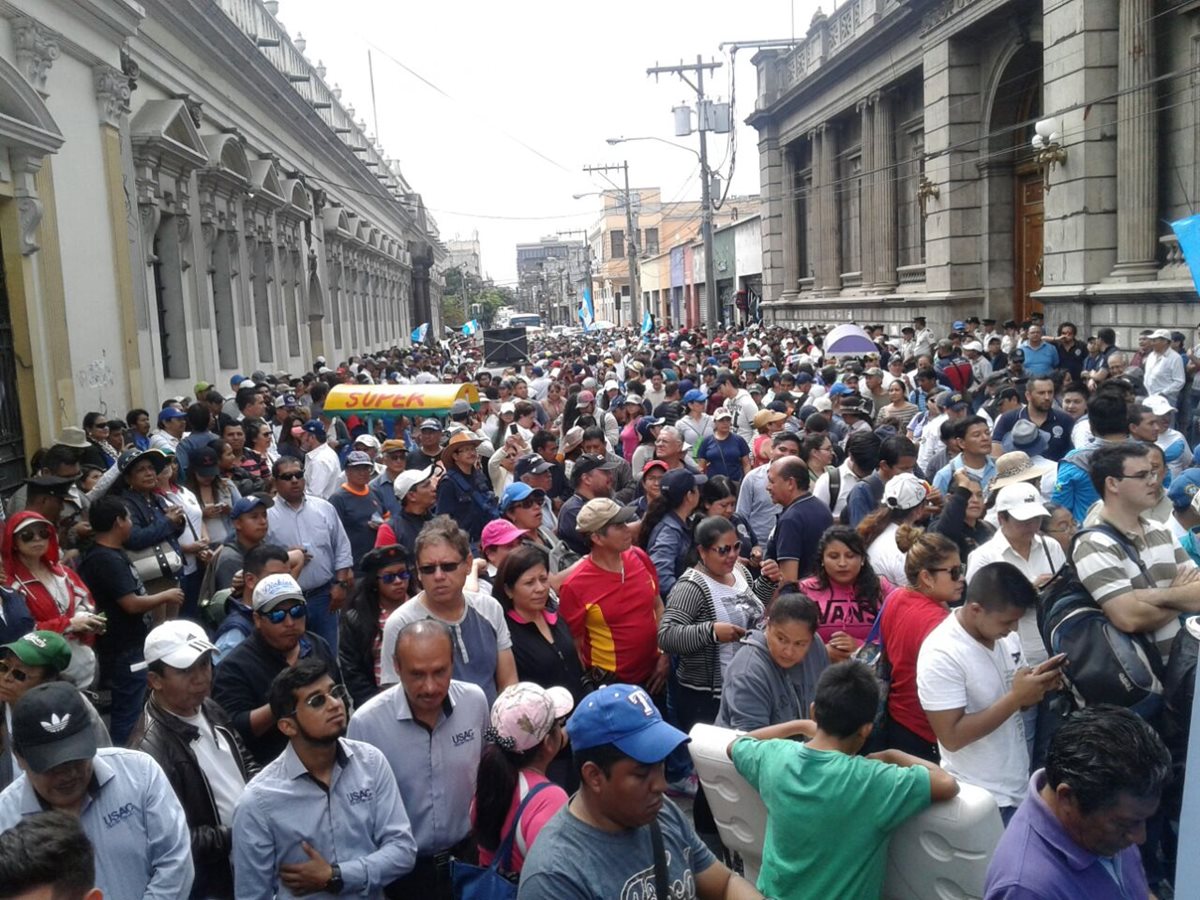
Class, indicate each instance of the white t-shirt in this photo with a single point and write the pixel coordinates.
(849, 481)
(726, 609)
(216, 758)
(885, 557)
(955, 671)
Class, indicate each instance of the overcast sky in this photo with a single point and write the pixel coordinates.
(511, 99)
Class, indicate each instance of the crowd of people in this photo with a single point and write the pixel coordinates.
(254, 650)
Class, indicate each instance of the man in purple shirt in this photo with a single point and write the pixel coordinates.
(1077, 832)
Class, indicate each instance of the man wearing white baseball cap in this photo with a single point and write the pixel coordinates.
(191, 737)
(416, 492)
(1163, 369)
(279, 640)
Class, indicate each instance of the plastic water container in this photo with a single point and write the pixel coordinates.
(941, 854)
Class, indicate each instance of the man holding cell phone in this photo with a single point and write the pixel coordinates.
(973, 682)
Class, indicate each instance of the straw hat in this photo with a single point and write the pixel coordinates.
(1015, 467)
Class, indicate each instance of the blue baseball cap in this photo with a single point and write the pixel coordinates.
(250, 502)
(315, 427)
(625, 716)
(840, 389)
(694, 396)
(171, 413)
(1184, 488)
(515, 493)
(960, 326)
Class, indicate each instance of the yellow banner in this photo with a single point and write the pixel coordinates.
(398, 399)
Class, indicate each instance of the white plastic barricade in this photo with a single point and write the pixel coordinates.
(942, 853)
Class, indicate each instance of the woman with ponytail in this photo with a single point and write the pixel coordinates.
(526, 733)
(934, 580)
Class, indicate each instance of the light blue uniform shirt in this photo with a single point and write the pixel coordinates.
(435, 769)
(945, 474)
(134, 821)
(316, 524)
(359, 823)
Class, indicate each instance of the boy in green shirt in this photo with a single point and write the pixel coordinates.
(830, 812)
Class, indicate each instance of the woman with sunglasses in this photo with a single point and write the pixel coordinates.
(846, 590)
(57, 598)
(101, 452)
(933, 580)
(382, 589)
(708, 611)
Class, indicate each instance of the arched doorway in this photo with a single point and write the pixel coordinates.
(1013, 188)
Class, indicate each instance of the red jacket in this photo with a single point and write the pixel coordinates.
(38, 597)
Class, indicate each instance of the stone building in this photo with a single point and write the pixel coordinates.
(184, 195)
(899, 175)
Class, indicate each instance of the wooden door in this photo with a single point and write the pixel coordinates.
(1027, 241)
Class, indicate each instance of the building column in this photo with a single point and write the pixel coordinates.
(785, 217)
(869, 207)
(883, 200)
(1137, 144)
(828, 266)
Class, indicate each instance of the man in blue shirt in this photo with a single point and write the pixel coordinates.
(121, 797)
(1041, 357)
(793, 543)
(1040, 410)
(325, 816)
(1077, 832)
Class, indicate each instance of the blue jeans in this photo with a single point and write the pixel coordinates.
(321, 620)
(128, 695)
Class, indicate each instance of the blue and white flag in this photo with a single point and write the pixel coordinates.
(647, 323)
(587, 312)
(418, 334)
(1187, 231)
(470, 328)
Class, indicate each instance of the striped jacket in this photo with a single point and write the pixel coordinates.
(686, 627)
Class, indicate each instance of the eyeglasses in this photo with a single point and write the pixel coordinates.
(20, 676)
(723, 550)
(445, 568)
(29, 535)
(276, 616)
(290, 476)
(1146, 475)
(393, 577)
(955, 572)
(529, 503)
(317, 701)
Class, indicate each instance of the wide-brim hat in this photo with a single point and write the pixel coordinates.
(1015, 467)
(457, 441)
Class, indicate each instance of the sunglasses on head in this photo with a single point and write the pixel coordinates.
(18, 675)
(28, 535)
(276, 616)
(393, 577)
(445, 568)
(290, 476)
(317, 701)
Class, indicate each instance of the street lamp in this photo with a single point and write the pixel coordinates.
(651, 137)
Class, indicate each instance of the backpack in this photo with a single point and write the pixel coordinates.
(835, 491)
(1104, 664)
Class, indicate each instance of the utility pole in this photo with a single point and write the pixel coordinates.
(631, 248)
(711, 301)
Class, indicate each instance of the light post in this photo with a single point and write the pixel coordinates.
(631, 248)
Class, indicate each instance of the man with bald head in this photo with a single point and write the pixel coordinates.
(430, 727)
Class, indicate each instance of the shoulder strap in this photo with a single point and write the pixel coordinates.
(503, 857)
(835, 486)
(661, 880)
(876, 626)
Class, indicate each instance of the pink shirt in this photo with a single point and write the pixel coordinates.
(839, 612)
(539, 811)
(629, 439)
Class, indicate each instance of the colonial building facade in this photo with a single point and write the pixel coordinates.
(185, 195)
(900, 175)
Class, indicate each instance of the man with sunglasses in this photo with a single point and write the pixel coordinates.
(326, 816)
(191, 737)
(279, 640)
(430, 727)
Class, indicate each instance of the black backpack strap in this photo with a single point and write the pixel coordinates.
(835, 486)
(661, 879)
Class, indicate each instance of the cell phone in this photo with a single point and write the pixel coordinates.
(1054, 662)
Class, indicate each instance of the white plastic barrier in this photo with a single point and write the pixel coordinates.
(941, 854)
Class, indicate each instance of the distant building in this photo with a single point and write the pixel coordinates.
(550, 278)
(465, 255)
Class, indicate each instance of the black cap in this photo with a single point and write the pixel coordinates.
(51, 725)
(677, 482)
(1017, 356)
(127, 459)
(589, 463)
(531, 464)
(203, 461)
(48, 484)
